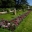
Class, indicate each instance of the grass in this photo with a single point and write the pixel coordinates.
(25, 25)
(3, 30)
(9, 16)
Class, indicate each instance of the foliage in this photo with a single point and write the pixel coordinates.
(12, 3)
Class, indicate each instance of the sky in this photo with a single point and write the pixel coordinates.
(30, 2)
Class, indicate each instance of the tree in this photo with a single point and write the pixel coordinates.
(23, 4)
(7, 3)
(13, 3)
(0, 3)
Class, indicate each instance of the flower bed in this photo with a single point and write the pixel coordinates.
(13, 23)
(18, 19)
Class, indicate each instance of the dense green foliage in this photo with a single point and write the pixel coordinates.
(7, 3)
(12, 3)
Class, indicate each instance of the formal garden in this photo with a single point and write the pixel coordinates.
(9, 21)
(15, 16)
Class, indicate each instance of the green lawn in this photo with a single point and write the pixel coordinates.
(4, 30)
(25, 25)
(9, 16)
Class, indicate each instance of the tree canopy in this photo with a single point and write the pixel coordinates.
(12, 3)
